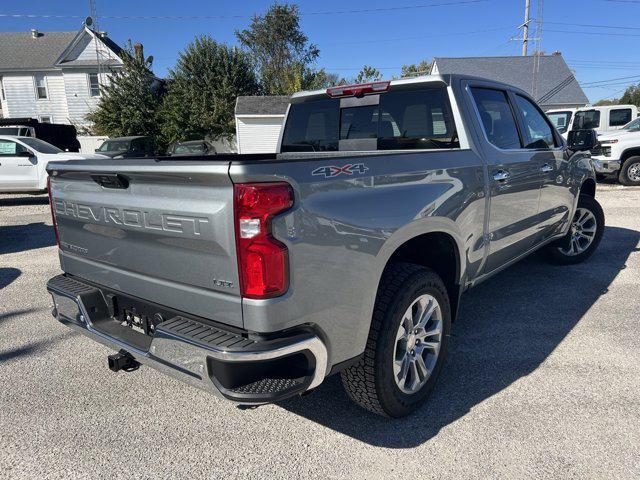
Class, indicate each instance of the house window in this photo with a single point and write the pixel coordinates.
(45, 118)
(41, 87)
(2, 97)
(94, 85)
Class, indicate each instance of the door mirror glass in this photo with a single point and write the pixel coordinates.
(582, 139)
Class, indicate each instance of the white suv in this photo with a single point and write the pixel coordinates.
(619, 153)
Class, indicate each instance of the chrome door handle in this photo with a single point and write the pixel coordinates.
(546, 168)
(501, 176)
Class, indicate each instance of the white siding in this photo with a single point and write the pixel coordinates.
(21, 97)
(85, 49)
(79, 101)
(88, 144)
(258, 134)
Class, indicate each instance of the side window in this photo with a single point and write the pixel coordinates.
(9, 148)
(41, 87)
(416, 119)
(497, 118)
(586, 120)
(538, 132)
(619, 117)
(312, 126)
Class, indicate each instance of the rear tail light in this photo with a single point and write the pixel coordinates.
(358, 90)
(53, 212)
(262, 260)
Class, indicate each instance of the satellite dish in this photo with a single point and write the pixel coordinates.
(88, 21)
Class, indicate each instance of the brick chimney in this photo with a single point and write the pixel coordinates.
(139, 52)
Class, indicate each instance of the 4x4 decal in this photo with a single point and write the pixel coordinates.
(333, 170)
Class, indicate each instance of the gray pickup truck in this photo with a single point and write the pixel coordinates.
(256, 276)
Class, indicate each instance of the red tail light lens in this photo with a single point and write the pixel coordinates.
(262, 260)
(358, 90)
(53, 212)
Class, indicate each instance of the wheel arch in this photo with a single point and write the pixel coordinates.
(588, 187)
(438, 250)
(629, 152)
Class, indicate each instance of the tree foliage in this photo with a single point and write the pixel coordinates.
(282, 55)
(129, 102)
(414, 70)
(202, 91)
(367, 74)
(631, 95)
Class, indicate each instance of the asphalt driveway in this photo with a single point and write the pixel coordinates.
(543, 380)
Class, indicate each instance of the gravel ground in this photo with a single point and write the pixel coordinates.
(543, 380)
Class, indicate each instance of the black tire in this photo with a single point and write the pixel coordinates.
(631, 166)
(371, 383)
(558, 250)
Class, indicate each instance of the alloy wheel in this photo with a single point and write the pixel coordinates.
(582, 232)
(418, 342)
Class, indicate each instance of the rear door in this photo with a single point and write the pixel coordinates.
(17, 172)
(160, 231)
(514, 176)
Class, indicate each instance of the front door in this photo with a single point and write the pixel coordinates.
(17, 171)
(514, 177)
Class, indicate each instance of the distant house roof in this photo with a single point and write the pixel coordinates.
(556, 83)
(42, 51)
(262, 105)
(21, 51)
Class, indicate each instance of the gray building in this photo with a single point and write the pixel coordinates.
(555, 84)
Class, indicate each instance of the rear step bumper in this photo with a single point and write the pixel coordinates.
(227, 363)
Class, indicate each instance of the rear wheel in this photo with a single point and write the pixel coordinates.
(407, 343)
(584, 234)
(630, 171)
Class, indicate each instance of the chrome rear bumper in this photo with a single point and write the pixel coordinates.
(226, 363)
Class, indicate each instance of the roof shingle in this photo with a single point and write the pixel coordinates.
(262, 105)
(556, 83)
(20, 51)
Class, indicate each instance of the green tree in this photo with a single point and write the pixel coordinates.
(283, 57)
(631, 95)
(202, 91)
(606, 101)
(129, 102)
(367, 74)
(414, 70)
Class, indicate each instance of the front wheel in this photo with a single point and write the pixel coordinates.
(407, 343)
(630, 171)
(584, 235)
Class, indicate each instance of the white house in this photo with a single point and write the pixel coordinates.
(55, 76)
(259, 121)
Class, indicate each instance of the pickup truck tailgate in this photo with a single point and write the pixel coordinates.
(161, 231)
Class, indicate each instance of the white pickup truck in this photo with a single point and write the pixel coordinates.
(24, 160)
(603, 119)
(618, 153)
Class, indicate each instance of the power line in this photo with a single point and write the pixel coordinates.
(583, 32)
(590, 25)
(610, 80)
(225, 17)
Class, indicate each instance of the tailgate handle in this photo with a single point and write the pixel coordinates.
(111, 181)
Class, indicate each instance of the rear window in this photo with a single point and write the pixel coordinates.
(619, 117)
(416, 119)
(586, 120)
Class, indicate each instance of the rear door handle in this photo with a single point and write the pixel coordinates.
(501, 176)
(546, 168)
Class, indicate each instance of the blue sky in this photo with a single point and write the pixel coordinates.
(385, 39)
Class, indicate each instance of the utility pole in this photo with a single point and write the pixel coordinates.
(525, 28)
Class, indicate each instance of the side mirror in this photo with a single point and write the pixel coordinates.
(582, 139)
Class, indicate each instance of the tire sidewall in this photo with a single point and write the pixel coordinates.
(395, 402)
(594, 207)
(624, 172)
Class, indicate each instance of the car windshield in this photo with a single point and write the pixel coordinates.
(40, 146)
(115, 146)
(182, 149)
(560, 120)
(633, 126)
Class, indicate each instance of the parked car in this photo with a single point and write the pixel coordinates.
(256, 276)
(23, 163)
(618, 154)
(59, 135)
(128, 147)
(192, 147)
(603, 119)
